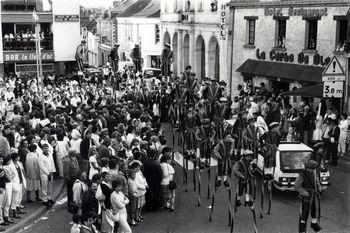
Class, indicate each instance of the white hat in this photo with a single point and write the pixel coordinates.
(247, 152)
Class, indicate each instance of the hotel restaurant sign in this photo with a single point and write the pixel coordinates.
(314, 12)
(27, 56)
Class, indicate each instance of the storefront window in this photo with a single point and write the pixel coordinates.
(311, 33)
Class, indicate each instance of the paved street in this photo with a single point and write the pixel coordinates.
(188, 217)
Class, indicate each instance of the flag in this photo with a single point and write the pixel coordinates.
(35, 17)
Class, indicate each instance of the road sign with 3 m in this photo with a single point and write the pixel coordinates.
(333, 89)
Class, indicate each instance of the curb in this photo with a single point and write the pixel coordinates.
(17, 227)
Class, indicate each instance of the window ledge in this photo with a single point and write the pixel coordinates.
(279, 48)
(249, 46)
(312, 51)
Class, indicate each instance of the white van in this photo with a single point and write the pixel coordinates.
(288, 164)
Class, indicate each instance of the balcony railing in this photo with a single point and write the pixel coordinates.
(26, 43)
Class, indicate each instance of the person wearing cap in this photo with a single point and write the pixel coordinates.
(205, 135)
(190, 81)
(333, 134)
(136, 57)
(115, 57)
(212, 93)
(218, 115)
(167, 58)
(242, 170)
(191, 121)
(308, 186)
(80, 54)
(250, 135)
(223, 152)
(271, 139)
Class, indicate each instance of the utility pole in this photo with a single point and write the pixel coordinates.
(39, 65)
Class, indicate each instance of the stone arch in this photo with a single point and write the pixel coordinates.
(200, 57)
(166, 38)
(214, 58)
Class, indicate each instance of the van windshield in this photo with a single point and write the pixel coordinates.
(292, 160)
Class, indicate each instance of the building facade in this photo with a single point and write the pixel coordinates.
(107, 33)
(59, 28)
(287, 44)
(198, 34)
(92, 43)
(139, 23)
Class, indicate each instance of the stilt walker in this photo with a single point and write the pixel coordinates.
(244, 173)
(191, 122)
(270, 142)
(309, 188)
(205, 136)
(167, 58)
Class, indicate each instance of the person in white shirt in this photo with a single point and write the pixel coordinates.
(168, 195)
(119, 202)
(22, 183)
(76, 140)
(46, 176)
(142, 186)
(94, 168)
(343, 126)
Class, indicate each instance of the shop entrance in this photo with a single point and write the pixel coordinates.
(279, 86)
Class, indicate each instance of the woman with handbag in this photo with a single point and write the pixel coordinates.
(168, 184)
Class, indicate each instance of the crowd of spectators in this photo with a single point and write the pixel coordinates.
(25, 40)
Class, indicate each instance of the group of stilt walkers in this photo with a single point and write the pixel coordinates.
(199, 116)
(204, 135)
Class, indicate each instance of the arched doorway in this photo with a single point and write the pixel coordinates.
(200, 58)
(214, 58)
(166, 38)
(186, 50)
(174, 49)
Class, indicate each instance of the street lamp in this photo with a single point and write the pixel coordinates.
(39, 66)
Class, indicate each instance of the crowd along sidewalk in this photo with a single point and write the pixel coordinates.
(34, 210)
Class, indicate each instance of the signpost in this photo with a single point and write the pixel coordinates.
(333, 78)
(333, 89)
(38, 57)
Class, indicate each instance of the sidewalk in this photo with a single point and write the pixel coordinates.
(34, 210)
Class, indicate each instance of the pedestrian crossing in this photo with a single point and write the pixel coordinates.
(179, 158)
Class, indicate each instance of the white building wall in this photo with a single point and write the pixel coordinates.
(66, 35)
(203, 23)
(295, 37)
(92, 47)
(140, 31)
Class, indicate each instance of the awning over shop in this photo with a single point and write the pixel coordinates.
(282, 70)
(315, 91)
